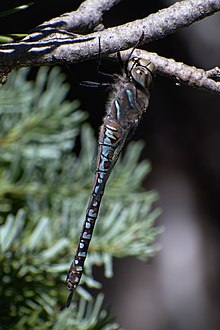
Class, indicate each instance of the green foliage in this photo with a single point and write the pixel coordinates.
(11, 37)
(44, 188)
(15, 9)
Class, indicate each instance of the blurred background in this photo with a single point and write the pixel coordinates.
(179, 289)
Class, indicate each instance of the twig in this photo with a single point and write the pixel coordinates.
(86, 18)
(182, 73)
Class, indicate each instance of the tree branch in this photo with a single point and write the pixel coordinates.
(50, 45)
(87, 18)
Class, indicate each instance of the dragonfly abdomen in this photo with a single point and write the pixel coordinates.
(109, 140)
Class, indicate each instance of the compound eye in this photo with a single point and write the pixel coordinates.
(141, 71)
(142, 76)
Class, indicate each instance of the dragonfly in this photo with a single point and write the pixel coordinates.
(127, 103)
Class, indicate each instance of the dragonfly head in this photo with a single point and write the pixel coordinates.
(141, 71)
